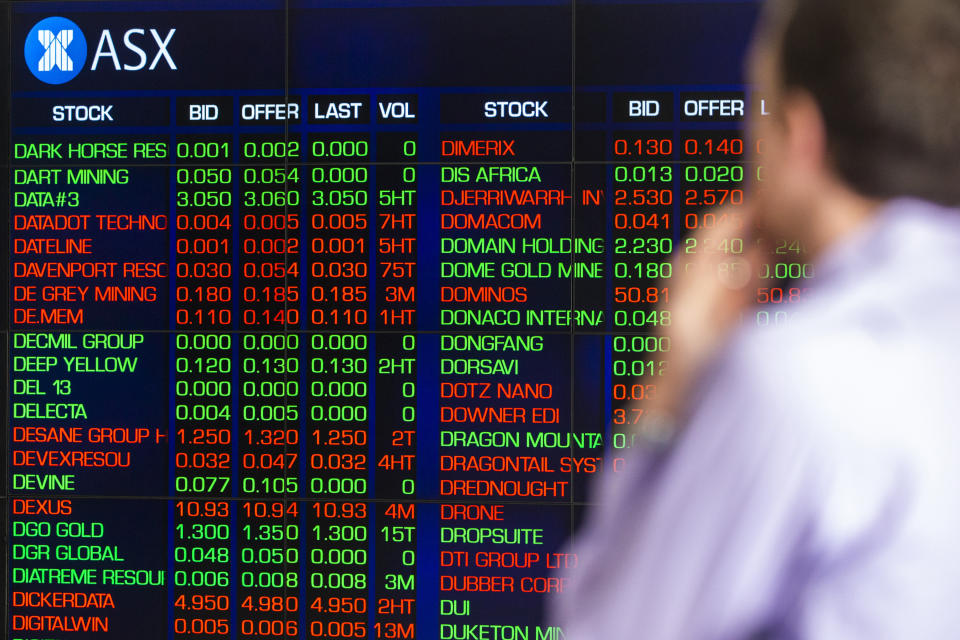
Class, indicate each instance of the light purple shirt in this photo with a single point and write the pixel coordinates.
(814, 493)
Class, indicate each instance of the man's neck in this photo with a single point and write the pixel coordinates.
(838, 214)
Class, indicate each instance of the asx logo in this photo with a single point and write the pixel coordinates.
(56, 50)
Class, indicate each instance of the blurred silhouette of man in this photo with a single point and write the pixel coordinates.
(802, 481)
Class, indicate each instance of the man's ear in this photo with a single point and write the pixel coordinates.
(805, 132)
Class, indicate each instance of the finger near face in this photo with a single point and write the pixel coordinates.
(735, 273)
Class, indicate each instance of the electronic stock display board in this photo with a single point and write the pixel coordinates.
(321, 316)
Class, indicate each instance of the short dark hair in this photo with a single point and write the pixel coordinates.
(886, 76)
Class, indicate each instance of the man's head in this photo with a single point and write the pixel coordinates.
(866, 97)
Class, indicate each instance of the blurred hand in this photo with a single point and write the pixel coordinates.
(710, 288)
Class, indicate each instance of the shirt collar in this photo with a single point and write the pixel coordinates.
(897, 226)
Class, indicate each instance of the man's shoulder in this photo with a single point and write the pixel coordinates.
(834, 384)
(807, 356)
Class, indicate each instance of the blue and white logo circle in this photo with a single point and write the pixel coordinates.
(55, 50)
